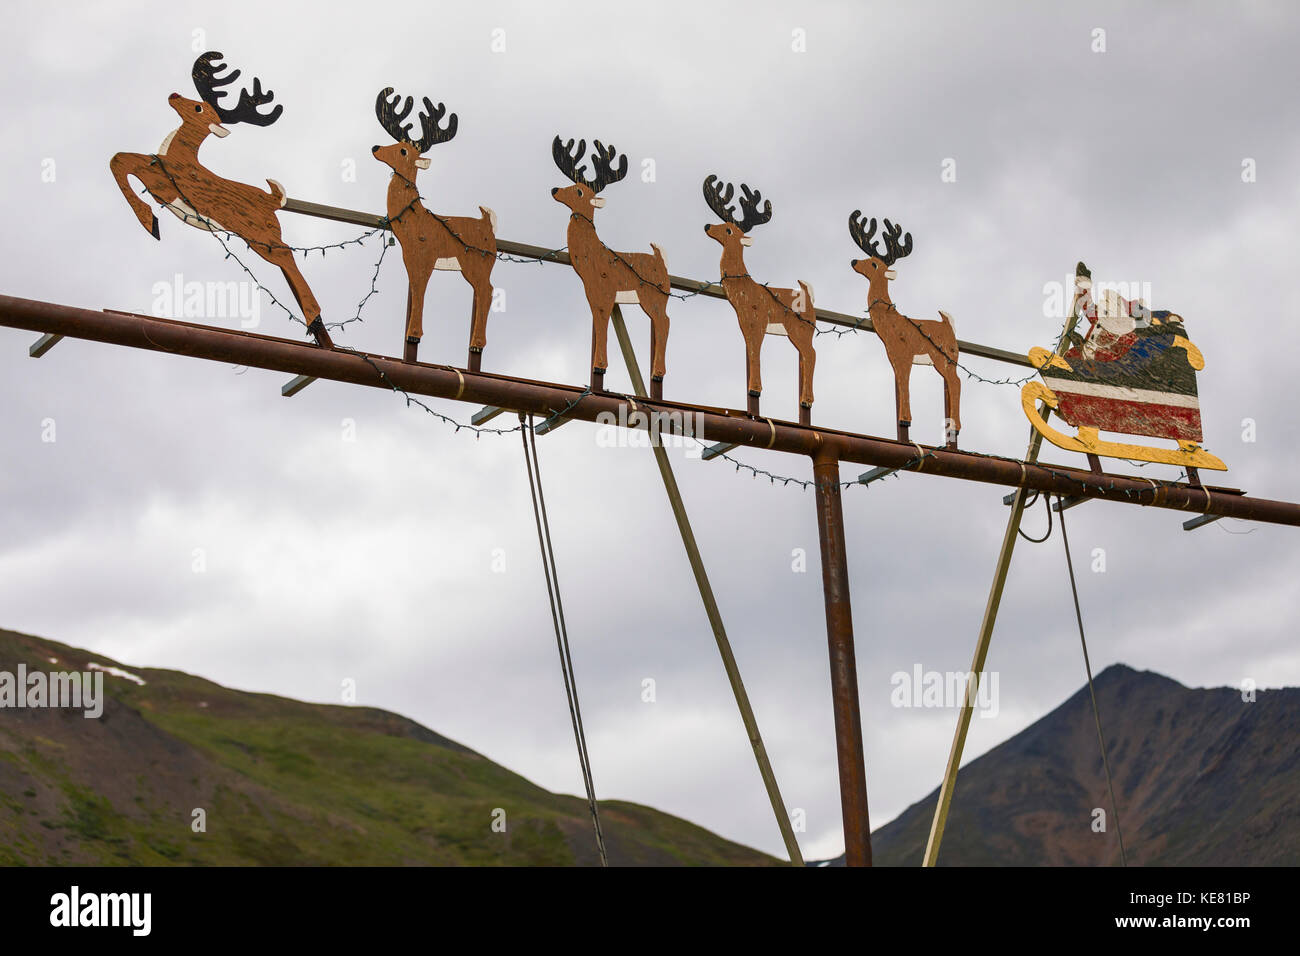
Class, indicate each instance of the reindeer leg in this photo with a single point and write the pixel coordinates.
(902, 397)
(599, 345)
(140, 166)
(952, 404)
(753, 371)
(418, 270)
(278, 254)
(414, 319)
(807, 362)
(475, 360)
(658, 313)
(478, 329)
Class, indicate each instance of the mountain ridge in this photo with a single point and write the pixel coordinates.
(1202, 777)
(285, 782)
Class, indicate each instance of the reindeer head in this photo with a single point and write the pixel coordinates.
(207, 115)
(407, 155)
(730, 233)
(583, 195)
(877, 268)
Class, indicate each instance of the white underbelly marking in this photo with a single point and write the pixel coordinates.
(448, 264)
(626, 297)
(186, 214)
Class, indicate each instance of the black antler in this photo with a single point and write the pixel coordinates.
(390, 118)
(718, 195)
(719, 199)
(570, 163)
(749, 206)
(206, 81)
(896, 251)
(433, 134)
(865, 242)
(862, 238)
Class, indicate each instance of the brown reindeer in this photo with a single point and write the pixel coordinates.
(201, 198)
(907, 341)
(759, 309)
(455, 243)
(610, 277)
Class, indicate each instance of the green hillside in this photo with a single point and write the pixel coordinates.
(284, 783)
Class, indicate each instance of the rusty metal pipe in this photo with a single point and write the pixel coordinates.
(723, 425)
(844, 669)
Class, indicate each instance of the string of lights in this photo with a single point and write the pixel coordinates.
(551, 256)
(970, 374)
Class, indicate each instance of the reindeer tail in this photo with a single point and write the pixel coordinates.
(664, 285)
(490, 216)
(808, 295)
(277, 193)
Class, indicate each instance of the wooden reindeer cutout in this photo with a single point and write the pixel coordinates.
(907, 341)
(760, 310)
(201, 198)
(610, 277)
(461, 244)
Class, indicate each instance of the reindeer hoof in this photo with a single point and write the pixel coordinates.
(318, 331)
(154, 228)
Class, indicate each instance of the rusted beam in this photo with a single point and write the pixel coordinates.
(844, 668)
(543, 398)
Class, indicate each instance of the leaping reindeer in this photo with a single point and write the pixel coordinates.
(429, 241)
(907, 341)
(201, 198)
(610, 277)
(759, 309)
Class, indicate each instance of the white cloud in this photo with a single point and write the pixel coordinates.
(370, 560)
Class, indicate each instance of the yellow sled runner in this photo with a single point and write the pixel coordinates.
(1133, 372)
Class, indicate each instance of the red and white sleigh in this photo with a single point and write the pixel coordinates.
(1133, 372)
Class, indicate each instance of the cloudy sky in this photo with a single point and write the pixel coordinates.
(341, 535)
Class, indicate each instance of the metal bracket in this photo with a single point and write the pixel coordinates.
(875, 474)
(489, 412)
(716, 451)
(296, 385)
(1057, 506)
(1200, 521)
(550, 424)
(486, 414)
(44, 344)
(1068, 503)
